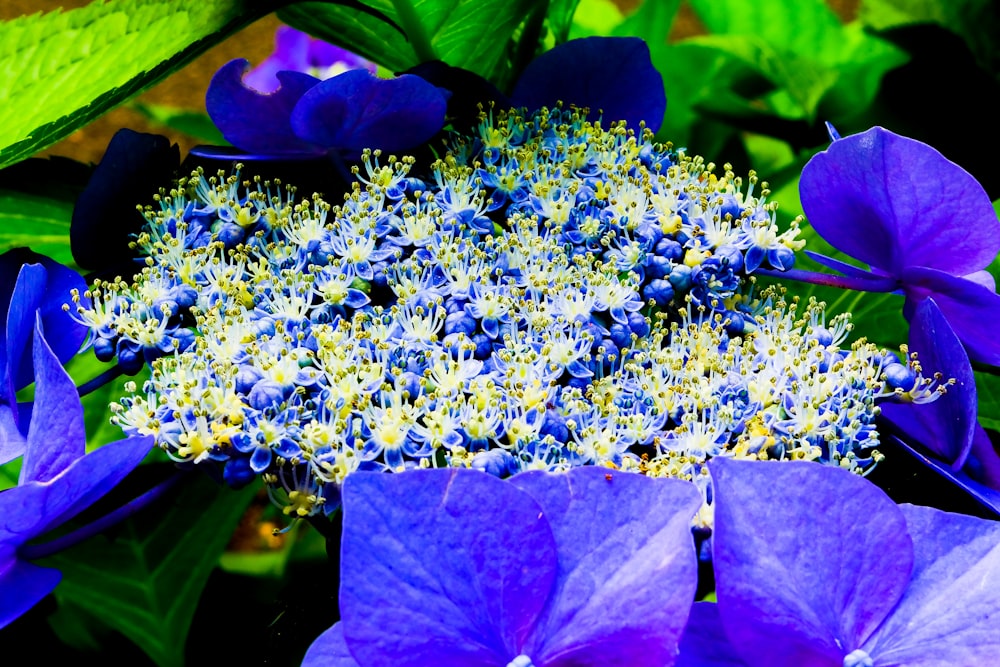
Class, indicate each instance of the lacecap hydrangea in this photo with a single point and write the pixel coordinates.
(549, 294)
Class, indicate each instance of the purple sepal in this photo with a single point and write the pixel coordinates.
(800, 553)
(34, 508)
(704, 643)
(947, 425)
(24, 585)
(446, 567)
(258, 122)
(988, 498)
(633, 531)
(612, 76)
(57, 438)
(951, 611)
(46, 286)
(968, 306)
(893, 202)
(842, 267)
(57, 480)
(469, 92)
(105, 220)
(330, 650)
(589, 567)
(357, 110)
(795, 541)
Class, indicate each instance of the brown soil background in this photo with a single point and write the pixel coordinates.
(186, 87)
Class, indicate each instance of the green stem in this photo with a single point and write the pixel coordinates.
(414, 30)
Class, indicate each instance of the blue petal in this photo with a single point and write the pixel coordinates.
(945, 426)
(330, 650)
(258, 122)
(55, 283)
(951, 610)
(56, 435)
(809, 559)
(988, 498)
(627, 566)
(357, 110)
(134, 167)
(612, 76)
(83, 483)
(23, 585)
(894, 202)
(25, 297)
(968, 306)
(704, 643)
(441, 567)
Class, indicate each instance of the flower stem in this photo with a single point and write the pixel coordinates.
(34, 551)
(99, 381)
(842, 282)
(414, 29)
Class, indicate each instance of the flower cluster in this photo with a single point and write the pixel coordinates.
(550, 295)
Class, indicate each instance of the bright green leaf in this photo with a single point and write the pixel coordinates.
(472, 34)
(37, 222)
(819, 65)
(651, 22)
(988, 392)
(596, 17)
(560, 17)
(61, 70)
(146, 581)
(804, 27)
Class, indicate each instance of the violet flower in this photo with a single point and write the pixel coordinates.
(817, 567)
(57, 480)
(456, 567)
(946, 425)
(922, 223)
(613, 77)
(308, 117)
(134, 167)
(296, 51)
(41, 286)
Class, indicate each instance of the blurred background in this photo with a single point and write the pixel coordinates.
(185, 89)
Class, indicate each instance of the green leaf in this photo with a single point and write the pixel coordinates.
(472, 34)
(560, 17)
(596, 17)
(70, 67)
(805, 27)
(988, 392)
(192, 123)
(652, 21)
(145, 581)
(817, 64)
(40, 223)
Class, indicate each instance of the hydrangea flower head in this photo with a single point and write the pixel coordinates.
(816, 567)
(551, 294)
(915, 218)
(590, 567)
